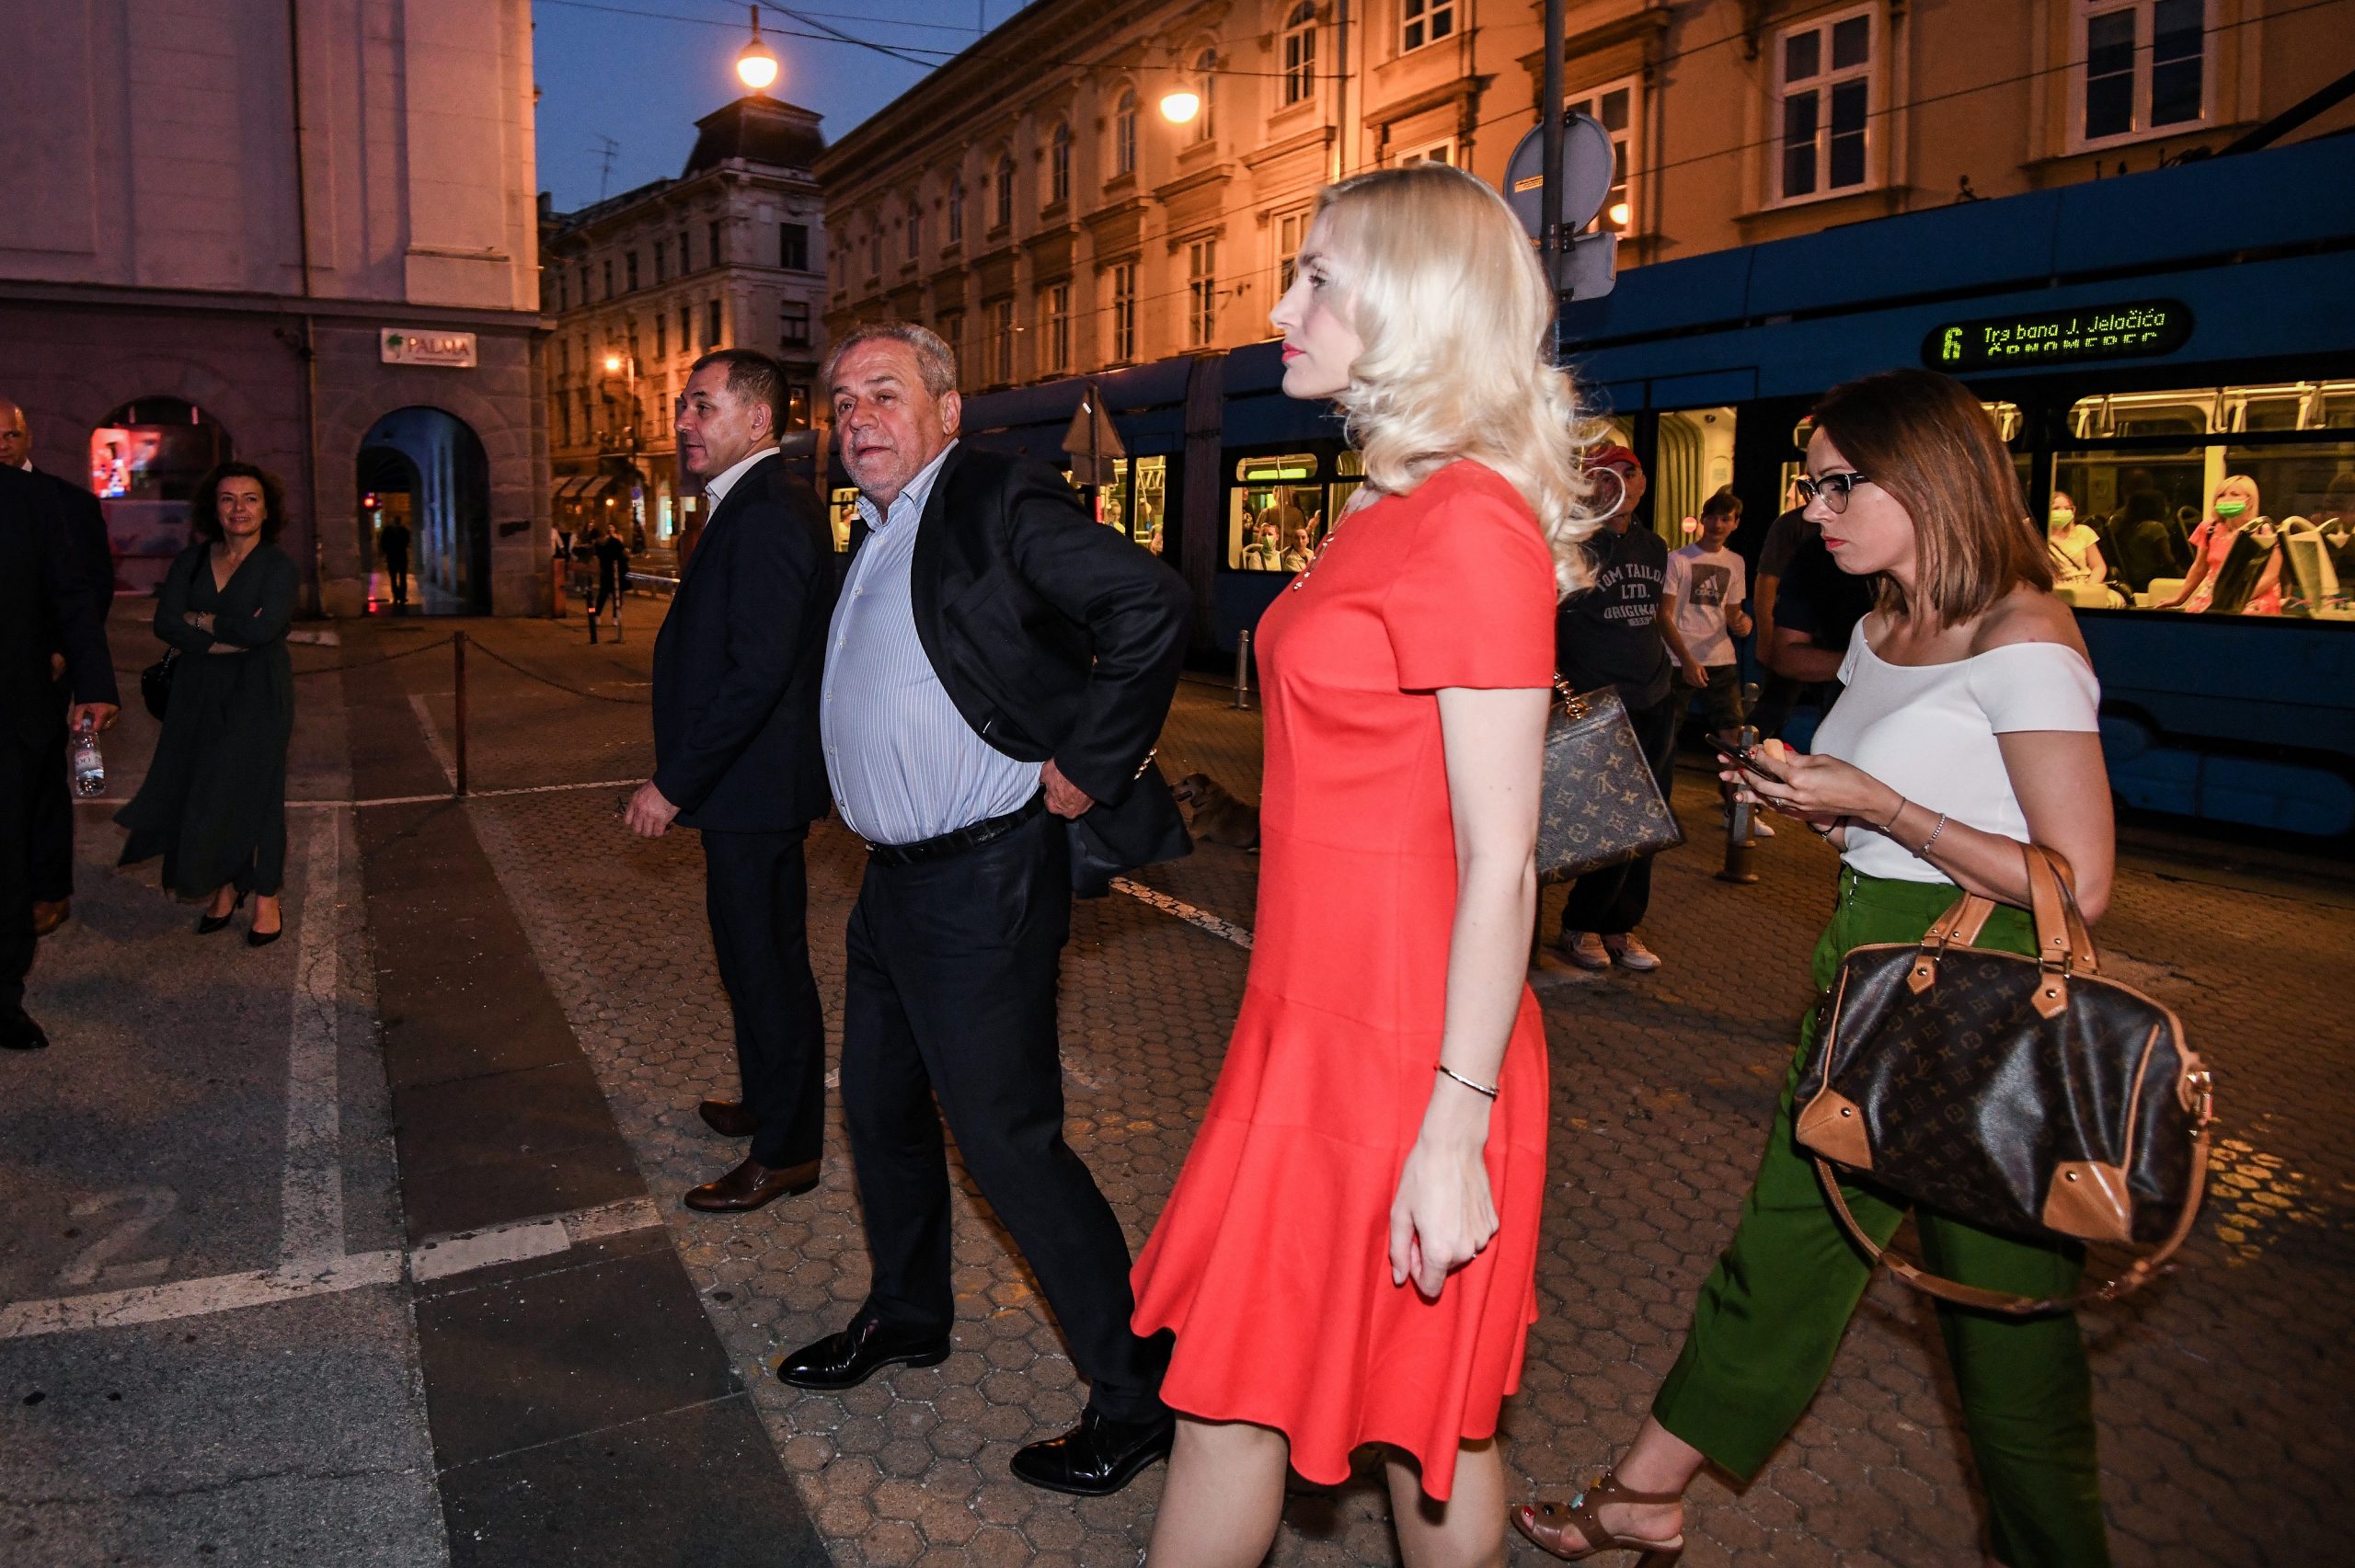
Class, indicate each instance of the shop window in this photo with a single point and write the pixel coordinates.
(1299, 53)
(2145, 68)
(1825, 96)
(796, 405)
(1614, 108)
(1424, 21)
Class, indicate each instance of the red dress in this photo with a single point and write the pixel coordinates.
(1271, 1261)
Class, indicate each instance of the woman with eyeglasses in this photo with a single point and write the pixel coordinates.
(1967, 729)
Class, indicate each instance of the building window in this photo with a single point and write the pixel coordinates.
(1299, 53)
(1059, 166)
(1202, 292)
(957, 210)
(1206, 84)
(1004, 191)
(1614, 108)
(662, 260)
(687, 328)
(662, 337)
(1428, 152)
(1001, 346)
(609, 276)
(564, 415)
(1826, 96)
(584, 283)
(564, 356)
(1125, 133)
(686, 266)
(2146, 67)
(915, 228)
(950, 326)
(561, 291)
(1124, 312)
(1054, 349)
(711, 324)
(1426, 21)
(875, 248)
(715, 242)
(630, 268)
(794, 318)
(793, 246)
(1292, 232)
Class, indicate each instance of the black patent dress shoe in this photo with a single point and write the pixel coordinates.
(19, 1033)
(1095, 1458)
(729, 1118)
(846, 1359)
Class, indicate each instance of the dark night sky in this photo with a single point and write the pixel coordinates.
(643, 79)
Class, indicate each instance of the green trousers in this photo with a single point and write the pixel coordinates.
(1773, 1312)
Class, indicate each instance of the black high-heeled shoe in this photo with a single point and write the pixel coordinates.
(264, 938)
(207, 924)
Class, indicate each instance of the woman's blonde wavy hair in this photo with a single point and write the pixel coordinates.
(1450, 304)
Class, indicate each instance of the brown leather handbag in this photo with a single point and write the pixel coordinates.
(2030, 1095)
(1601, 805)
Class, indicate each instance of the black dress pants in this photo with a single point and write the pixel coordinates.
(52, 817)
(1612, 902)
(19, 774)
(951, 997)
(756, 891)
(396, 568)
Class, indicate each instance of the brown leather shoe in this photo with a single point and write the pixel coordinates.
(752, 1184)
(48, 915)
(729, 1118)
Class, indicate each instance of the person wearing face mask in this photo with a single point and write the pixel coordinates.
(2075, 549)
(2236, 557)
(213, 804)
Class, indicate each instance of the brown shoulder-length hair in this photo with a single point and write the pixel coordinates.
(1924, 438)
(204, 506)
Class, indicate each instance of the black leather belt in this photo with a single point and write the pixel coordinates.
(958, 843)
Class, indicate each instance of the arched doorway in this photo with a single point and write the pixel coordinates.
(427, 468)
(145, 460)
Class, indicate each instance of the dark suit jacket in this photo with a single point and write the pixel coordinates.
(1056, 637)
(736, 665)
(90, 555)
(47, 605)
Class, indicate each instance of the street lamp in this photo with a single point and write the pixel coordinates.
(756, 63)
(1181, 106)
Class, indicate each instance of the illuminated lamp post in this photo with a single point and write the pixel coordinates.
(756, 63)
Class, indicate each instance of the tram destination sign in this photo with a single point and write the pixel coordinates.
(2061, 337)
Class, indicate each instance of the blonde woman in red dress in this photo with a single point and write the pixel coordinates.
(1350, 1256)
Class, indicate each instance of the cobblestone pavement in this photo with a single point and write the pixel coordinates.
(2222, 1392)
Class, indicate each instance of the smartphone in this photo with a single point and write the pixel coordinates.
(1754, 761)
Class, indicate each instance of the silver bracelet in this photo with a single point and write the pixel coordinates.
(1924, 852)
(1447, 1072)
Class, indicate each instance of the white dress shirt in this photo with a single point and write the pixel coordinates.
(904, 764)
(720, 484)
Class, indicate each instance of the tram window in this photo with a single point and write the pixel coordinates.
(2291, 550)
(1276, 512)
(1694, 460)
(1137, 499)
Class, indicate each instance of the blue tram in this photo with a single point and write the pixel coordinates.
(2138, 339)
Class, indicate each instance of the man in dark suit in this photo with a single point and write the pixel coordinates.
(46, 604)
(85, 526)
(736, 756)
(998, 672)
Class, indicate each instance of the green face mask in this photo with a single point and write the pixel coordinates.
(2230, 507)
(2062, 517)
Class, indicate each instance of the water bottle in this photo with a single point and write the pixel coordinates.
(88, 765)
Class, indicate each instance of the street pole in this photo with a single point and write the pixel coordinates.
(1552, 242)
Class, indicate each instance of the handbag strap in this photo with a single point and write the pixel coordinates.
(2139, 1273)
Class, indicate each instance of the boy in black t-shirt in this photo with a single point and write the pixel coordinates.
(1610, 636)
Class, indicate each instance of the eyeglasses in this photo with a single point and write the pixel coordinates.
(1833, 487)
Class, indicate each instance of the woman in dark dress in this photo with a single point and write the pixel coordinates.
(215, 802)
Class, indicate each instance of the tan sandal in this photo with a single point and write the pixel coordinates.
(1550, 1525)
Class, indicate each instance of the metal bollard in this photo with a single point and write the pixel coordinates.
(458, 689)
(1243, 669)
(1738, 842)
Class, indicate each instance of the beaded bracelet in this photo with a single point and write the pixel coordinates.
(1924, 851)
(1447, 1072)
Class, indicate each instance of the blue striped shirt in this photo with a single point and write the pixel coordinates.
(903, 762)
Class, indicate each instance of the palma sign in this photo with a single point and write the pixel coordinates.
(2059, 338)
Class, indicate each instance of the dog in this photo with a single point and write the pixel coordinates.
(1217, 817)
